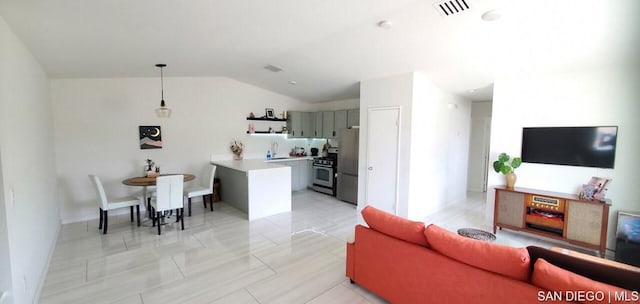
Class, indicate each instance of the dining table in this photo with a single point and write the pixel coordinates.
(146, 181)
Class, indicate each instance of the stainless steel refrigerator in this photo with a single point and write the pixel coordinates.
(347, 177)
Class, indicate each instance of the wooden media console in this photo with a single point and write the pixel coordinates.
(559, 216)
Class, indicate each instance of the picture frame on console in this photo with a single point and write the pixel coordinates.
(595, 189)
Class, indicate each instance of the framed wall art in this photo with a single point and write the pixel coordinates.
(150, 137)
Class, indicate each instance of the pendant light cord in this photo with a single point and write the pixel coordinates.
(162, 84)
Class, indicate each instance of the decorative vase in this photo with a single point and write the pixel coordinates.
(237, 156)
(511, 180)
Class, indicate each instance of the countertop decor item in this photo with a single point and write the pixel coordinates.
(506, 165)
(237, 147)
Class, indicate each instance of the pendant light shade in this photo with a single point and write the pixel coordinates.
(163, 111)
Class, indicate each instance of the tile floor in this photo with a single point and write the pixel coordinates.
(294, 257)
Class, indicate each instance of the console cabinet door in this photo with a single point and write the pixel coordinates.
(510, 208)
(584, 222)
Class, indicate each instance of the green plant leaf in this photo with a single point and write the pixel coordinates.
(506, 170)
(516, 162)
(503, 157)
(497, 166)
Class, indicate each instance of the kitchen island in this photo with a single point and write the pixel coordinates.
(254, 186)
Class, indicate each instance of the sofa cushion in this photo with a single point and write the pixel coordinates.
(569, 284)
(501, 259)
(606, 272)
(394, 226)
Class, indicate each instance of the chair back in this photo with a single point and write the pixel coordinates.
(211, 173)
(169, 193)
(102, 196)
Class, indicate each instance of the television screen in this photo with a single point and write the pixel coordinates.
(573, 146)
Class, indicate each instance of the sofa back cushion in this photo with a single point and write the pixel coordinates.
(605, 273)
(394, 226)
(501, 259)
(568, 284)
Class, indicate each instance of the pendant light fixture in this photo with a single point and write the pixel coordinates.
(162, 111)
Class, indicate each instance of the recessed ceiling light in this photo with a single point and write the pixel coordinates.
(293, 82)
(385, 24)
(491, 15)
(273, 68)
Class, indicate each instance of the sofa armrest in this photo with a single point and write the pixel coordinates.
(350, 264)
(351, 239)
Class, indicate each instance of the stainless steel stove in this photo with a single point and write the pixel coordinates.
(324, 173)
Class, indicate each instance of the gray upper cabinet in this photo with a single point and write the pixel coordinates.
(321, 124)
(295, 124)
(327, 125)
(353, 118)
(308, 124)
(339, 121)
(317, 131)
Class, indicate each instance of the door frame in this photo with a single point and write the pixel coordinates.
(399, 141)
(486, 142)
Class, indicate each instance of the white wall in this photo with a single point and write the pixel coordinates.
(480, 114)
(439, 148)
(590, 98)
(31, 221)
(343, 104)
(384, 92)
(96, 130)
(434, 142)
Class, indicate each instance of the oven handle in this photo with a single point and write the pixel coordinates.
(323, 166)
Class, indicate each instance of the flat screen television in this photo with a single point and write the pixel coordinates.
(572, 146)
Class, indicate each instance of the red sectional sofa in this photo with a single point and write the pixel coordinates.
(403, 261)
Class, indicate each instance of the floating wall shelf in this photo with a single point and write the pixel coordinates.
(266, 119)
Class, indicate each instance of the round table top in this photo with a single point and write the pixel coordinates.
(151, 181)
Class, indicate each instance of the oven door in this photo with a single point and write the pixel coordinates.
(323, 176)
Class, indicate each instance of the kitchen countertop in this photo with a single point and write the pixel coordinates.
(246, 165)
(290, 158)
(257, 164)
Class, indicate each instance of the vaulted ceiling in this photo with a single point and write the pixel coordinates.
(325, 46)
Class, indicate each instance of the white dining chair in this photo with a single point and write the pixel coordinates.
(169, 190)
(106, 204)
(205, 189)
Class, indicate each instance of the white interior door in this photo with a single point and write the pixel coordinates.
(382, 158)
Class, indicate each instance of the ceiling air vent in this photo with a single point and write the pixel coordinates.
(273, 68)
(451, 7)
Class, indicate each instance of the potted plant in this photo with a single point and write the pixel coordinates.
(506, 165)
